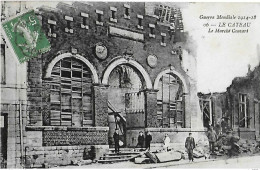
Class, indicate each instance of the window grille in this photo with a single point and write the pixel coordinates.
(70, 97)
(170, 105)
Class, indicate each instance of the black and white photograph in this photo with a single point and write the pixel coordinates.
(130, 84)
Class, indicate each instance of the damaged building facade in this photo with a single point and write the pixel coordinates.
(111, 65)
(238, 107)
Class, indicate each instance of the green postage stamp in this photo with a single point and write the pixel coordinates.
(25, 36)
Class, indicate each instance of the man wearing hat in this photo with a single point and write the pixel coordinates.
(190, 145)
(140, 140)
(212, 137)
(116, 140)
(148, 140)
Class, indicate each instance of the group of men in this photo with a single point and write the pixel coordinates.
(140, 141)
(226, 141)
(189, 143)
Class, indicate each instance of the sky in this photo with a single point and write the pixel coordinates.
(220, 56)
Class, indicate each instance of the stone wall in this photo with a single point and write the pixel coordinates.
(56, 146)
(37, 157)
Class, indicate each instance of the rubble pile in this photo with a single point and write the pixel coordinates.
(159, 157)
(249, 146)
(232, 145)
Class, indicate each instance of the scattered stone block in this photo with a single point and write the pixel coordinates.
(81, 162)
(142, 160)
(86, 162)
(168, 156)
(151, 156)
(197, 154)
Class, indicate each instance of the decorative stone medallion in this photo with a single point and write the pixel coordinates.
(101, 51)
(152, 60)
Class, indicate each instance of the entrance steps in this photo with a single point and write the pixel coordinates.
(125, 154)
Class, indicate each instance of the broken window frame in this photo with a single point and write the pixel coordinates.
(171, 110)
(164, 14)
(70, 89)
(243, 114)
(206, 105)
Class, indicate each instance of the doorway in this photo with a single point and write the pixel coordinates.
(170, 102)
(257, 119)
(206, 108)
(123, 80)
(3, 144)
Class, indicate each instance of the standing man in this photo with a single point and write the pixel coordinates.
(148, 140)
(212, 137)
(116, 140)
(140, 140)
(224, 125)
(190, 145)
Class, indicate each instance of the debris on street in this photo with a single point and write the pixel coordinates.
(168, 156)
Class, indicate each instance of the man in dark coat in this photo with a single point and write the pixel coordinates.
(212, 137)
(190, 145)
(224, 125)
(116, 140)
(140, 140)
(148, 140)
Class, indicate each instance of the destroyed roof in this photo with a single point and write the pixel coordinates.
(249, 78)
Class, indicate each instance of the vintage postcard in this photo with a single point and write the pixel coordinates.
(117, 84)
(25, 36)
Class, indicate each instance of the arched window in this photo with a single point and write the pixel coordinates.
(71, 94)
(170, 105)
(124, 76)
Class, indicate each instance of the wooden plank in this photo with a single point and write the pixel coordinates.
(151, 156)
